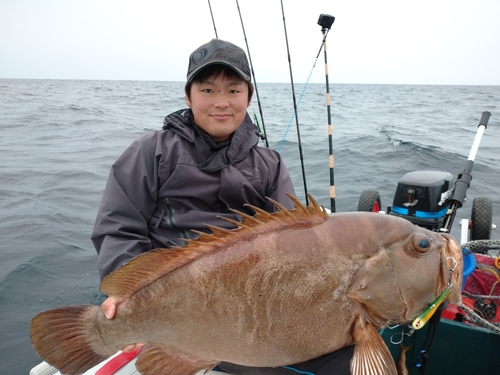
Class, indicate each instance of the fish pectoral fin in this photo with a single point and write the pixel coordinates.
(157, 359)
(371, 355)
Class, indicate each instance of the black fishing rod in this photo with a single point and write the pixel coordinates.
(463, 179)
(213, 21)
(264, 135)
(301, 154)
(326, 22)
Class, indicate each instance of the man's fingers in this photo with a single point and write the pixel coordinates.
(109, 306)
(110, 313)
(132, 347)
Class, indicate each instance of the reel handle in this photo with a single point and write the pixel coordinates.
(483, 123)
(485, 117)
(464, 179)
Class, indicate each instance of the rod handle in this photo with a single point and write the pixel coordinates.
(484, 119)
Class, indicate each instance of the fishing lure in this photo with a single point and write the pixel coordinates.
(423, 318)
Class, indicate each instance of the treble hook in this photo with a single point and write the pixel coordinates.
(396, 325)
(402, 333)
(400, 341)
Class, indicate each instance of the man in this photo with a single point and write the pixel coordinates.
(203, 163)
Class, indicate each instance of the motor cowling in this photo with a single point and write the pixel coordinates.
(422, 197)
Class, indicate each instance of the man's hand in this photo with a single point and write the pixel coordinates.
(109, 307)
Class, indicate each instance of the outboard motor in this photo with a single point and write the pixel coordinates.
(422, 197)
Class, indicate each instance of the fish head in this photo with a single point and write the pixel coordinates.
(429, 264)
(409, 270)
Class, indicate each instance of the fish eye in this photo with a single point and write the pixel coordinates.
(421, 244)
(424, 243)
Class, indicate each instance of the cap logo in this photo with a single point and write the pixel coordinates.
(204, 53)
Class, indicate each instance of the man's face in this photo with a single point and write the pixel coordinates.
(219, 105)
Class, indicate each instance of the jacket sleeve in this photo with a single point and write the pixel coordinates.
(282, 183)
(121, 227)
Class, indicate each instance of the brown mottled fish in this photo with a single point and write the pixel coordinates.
(280, 289)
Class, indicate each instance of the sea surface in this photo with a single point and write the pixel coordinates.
(58, 139)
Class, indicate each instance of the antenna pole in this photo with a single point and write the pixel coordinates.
(326, 22)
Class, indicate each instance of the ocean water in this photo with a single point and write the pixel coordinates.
(59, 138)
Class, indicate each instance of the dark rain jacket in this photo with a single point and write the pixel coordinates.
(156, 192)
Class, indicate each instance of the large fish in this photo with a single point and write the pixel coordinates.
(280, 289)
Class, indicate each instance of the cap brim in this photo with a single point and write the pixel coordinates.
(242, 74)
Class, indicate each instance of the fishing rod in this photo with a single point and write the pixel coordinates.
(300, 97)
(263, 136)
(213, 21)
(301, 154)
(463, 179)
(326, 22)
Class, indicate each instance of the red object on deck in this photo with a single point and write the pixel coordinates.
(117, 362)
(453, 312)
(482, 283)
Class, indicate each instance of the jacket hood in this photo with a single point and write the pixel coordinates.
(243, 139)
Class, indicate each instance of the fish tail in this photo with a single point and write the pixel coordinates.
(61, 337)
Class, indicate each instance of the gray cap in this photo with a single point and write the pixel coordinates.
(218, 51)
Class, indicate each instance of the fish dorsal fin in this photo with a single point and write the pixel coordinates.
(150, 266)
(371, 355)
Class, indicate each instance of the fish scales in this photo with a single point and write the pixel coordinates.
(278, 292)
(252, 297)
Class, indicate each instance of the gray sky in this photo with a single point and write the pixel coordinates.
(385, 41)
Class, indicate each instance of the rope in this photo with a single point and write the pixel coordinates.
(481, 246)
(476, 318)
(493, 271)
(423, 357)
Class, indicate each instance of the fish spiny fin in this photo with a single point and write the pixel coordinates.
(249, 222)
(155, 359)
(314, 204)
(150, 266)
(310, 215)
(259, 213)
(371, 355)
(59, 337)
